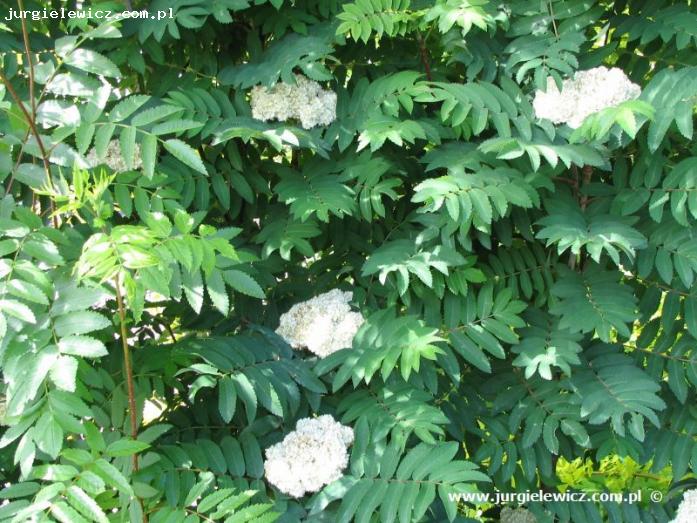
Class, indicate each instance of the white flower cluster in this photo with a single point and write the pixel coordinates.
(323, 324)
(687, 510)
(586, 93)
(311, 456)
(518, 515)
(113, 158)
(305, 101)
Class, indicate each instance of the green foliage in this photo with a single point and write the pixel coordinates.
(278, 61)
(475, 326)
(405, 257)
(570, 227)
(594, 301)
(527, 289)
(613, 474)
(670, 93)
(383, 344)
(398, 408)
(317, 190)
(383, 17)
(243, 373)
(396, 488)
(545, 345)
(624, 389)
(474, 13)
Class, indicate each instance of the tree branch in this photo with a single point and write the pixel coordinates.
(30, 63)
(587, 174)
(423, 53)
(30, 121)
(128, 370)
(32, 125)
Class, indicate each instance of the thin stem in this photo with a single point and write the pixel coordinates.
(564, 180)
(188, 69)
(635, 474)
(35, 132)
(170, 331)
(551, 15)
(19, 160)
(128, 370)
(587, 174)
(127, 366)
(660, 354)
(423, 53)
(27, 50)
(575, 183)
(29, 119)
(587, 171)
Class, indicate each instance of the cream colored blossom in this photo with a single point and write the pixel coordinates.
(687, 511)
(586, 93)
(517, 515)
(305, 101)
(323, 324)
(113, 158)
(311, 456)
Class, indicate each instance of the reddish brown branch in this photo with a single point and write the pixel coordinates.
(423, 52)
(30, 121)
(32, 103)
(34, 131)
(578, 185)
(30, 63)
(128, 370)
(587, 174)
(565, 180)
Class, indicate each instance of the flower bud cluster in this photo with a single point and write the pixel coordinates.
(586, 93)
(687, 510)
(113, 158)
(517, 515)
(311, 456)
(305, 101)
(323, 324)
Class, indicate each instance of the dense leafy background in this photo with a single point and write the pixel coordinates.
(529, 290)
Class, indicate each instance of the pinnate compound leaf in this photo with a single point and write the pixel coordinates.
(185, 154)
